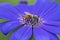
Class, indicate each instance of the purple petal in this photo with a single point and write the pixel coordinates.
(0, 28)
(1, 24)
(52, 23)
(23, 33)
(53, 12)
(26, 8)
(22, 8)
(7, 27)
(33, 9)
(51, 26)
(38, 2)
(40, 34)
(39, 7)
(7, 11)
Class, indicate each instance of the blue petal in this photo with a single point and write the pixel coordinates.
(22, 8)
(0, 29)
(39, 7)
(52, 23)
(40, 34)
(53, 12)
(7, 27)
(1, 24)
(26, 8)
(52, 26)
(33, 9)
(38, 2)
(23, 33)
(7, 11)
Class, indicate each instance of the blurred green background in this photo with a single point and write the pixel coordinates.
(14, 2)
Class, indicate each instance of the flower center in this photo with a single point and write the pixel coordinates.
(31, 20)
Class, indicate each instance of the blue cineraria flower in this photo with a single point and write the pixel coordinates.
(40, 20)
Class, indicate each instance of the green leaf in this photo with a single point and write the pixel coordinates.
(10, 1)
(58, 1)
(2, 20)
(32, 38)
(31, 1)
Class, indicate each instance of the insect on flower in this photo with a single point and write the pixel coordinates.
(39, 19)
